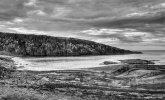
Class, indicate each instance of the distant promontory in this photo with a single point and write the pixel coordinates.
(42, 45)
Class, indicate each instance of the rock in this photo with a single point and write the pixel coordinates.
(43, 80)
(136, 61)
(5, 72)
(21, 67)
(109, 62)
(6, 59)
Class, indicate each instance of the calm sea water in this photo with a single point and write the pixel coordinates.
(65, 63)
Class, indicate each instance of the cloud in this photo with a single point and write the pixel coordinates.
(108, 41)
(18, 20)
(11, 9)
(24, 30)
(122, 35)
(131, 22)
(31, 3)
(120, 22)
(60, 12)
(101, 31)
(37, 12)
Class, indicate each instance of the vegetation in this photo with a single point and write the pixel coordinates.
(41, 45)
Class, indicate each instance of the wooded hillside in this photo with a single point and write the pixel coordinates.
(41, 45)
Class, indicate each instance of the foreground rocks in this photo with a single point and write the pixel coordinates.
(6, 67)
(117, 82)
(131, 61)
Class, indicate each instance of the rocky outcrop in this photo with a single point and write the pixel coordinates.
(6, 67)
(137, 61)
(41, 45)
(109, 62)
(4, 72)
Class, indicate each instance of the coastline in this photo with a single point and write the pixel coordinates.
(125, 81)
(75, 63)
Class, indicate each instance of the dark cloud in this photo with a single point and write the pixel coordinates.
(137, 2)
(10, 15)
(131, 22)
(62, 2)
(11, 9)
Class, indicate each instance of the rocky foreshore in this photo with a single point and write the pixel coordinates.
(139, 80)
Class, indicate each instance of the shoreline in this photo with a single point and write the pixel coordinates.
(75, 63)
(23, 64)
(137, 80)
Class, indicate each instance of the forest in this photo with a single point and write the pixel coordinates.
(42, 45)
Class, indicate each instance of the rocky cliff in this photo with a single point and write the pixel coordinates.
(41, 45)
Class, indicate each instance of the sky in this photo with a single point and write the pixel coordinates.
(127, 24)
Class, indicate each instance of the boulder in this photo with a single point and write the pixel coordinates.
(109, 62)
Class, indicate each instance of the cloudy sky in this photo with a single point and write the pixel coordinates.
(128, 24)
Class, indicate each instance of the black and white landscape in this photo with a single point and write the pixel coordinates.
(82, 50)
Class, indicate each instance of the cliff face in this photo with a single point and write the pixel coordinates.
(41, 45)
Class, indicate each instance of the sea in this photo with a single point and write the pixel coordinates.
(76, 63)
